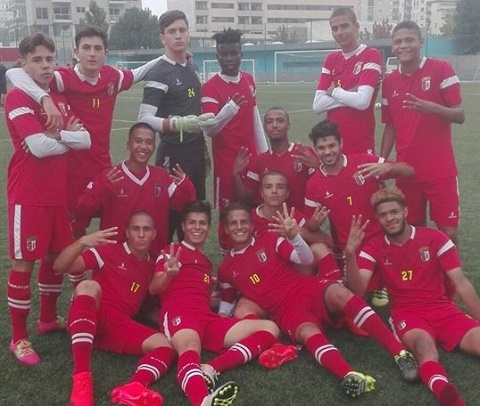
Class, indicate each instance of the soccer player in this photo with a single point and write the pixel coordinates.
(420, 102)
(171, 105)
(191, 325)
(414, 263)
(303, 306)
(36, 192)
(133, 185)
(91, 88)
(349, 83)
(282, 156)
(102, 310)
(230, 95)
(344, 183)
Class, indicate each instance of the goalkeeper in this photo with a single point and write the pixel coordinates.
(171, 105)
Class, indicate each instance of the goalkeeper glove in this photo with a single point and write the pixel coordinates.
(190, 124)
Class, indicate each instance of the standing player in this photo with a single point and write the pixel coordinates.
(91, 89)
(282, 156)
(348, 84)
(414, 263)
(102, 311)
(171, 103)
(230, 95)
(260, 269)
(421, 100)
(36, 192)
(134, 185)
(3, 84)
(191, 325)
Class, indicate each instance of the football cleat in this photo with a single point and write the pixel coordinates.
(225, 395)
(210, 376)
(356, 384)
(380, 298)
(82, 391)
(277, 355)
(135, 394)
(55, 325)
(449, 396)
(408, 366)
(24, 352)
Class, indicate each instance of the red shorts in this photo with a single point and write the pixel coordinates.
(119, 333)
(75, 187)
(304, 305)
(442, 196)
(35, 231)
(444, 322)
(211, 328)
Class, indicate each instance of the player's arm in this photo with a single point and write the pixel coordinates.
(70, 260)
(241, 191)
(357, 278)
(388, 140)
(386, 169)
(323, 102)
(466, 291)
(358, 98)
(168, 267)
(453, 114)
(258, 131)
(140, 72)
(75, 136)
(226, 113)
(181, 190)
(228, 296)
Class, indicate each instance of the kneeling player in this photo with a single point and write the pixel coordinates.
(102, 310)
(260, 269)
(415, 263)
(186, 273)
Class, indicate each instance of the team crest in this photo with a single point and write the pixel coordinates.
(359, 178)
(157, 190)
(424, 254)
(225, 202)
(176, 321)
(298, 166)
(110, 88)
(252, 89)
(426, 83)
(262, 256)
(62, 108)
(31, 243)
(401, 325)
(357, 68)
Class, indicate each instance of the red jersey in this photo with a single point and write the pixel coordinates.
(193, 284)
(414, 273)
(345, 194)
(31, 180)
(123, 277)
(93, 104)
(239, 131)
(153, 191)
(296, 173)
(263, 273)
(260, 223)
(364, 68)
(423, 140)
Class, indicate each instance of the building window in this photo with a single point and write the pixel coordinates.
(222, 20)
(256, 6)
(222, 5)
(81, 9)
(61, 13)
(201, 5)
(243, 6)
(244, 20)
(257, 20)
(42, 13)
(114, 12)
(202, 20)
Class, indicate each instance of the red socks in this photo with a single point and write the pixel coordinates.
(154, 365)
(49, 287)
(19, 300)
(190, 377)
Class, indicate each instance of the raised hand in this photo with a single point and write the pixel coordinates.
(414, 103)
(74, 124)
(307, 157)
(285, 223)
(177, 174)
(114, 175)
(241, 161)
(100, 237)
(318, 217)
(172, 265)
(374, 169)
(356, 235)
(239, 99)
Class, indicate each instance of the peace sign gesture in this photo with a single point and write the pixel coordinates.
(172, 265)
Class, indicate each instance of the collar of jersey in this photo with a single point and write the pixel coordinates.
(412, 235)
(242, 251)
(230, 79)
(345, 162)
(84, 78)
(133, 177)
(172, 61)
(355, 52)
(422, 64)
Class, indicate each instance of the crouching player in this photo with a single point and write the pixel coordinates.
(415, 263)
(102, 311)
(261, 269)
(189, 323)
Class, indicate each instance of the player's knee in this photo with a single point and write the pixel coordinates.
(155, 341)
(89, 288)
(271, 327)
(337, 297)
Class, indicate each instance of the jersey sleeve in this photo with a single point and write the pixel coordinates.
(92, 259)
(210, 102)
(154, 90)
(228, 292)
(366, 259)
(125, 79)
(447, 253)
(325, 79)
(181, 194)
(311, 200)
(372, 69)
(450, 86)
(386, 116)
(21, 112)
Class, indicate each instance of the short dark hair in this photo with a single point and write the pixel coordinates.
(285, 112)
(141, 213)
(91, 31)
(200, 206)
(28, 44)
(273, 172)
(232, 207)
(140, 125)
(228, 36)
(324, 129)
(386, 195)
(345, 11)
(170, 17)
(408, 25)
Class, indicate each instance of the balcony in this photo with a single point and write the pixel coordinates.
(62, 18)
(15, 4)
(62, 1)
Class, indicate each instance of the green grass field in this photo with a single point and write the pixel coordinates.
(300, 383)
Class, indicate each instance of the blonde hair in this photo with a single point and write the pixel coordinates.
(387, 194)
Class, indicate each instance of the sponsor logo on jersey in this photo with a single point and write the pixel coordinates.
(298, 166)
(395, 94)
(225, 202)
(424, 254)
(357, 68)
(328, 195)
(157, 190)
(452, 215)
(387, 262)
(426, 83)
(178, 82)
(111, 88)
(122, 193)
(262, 256)
(176, 321)
(31, 243)
(122, 266)
(235, 274)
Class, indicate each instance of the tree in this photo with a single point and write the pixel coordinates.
(467, 17)
(382, 30)
(365, 35)
(285, 35)
(134, 30)
(95, 15)
(448, 27)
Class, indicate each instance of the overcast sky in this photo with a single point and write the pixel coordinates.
(158, 7)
